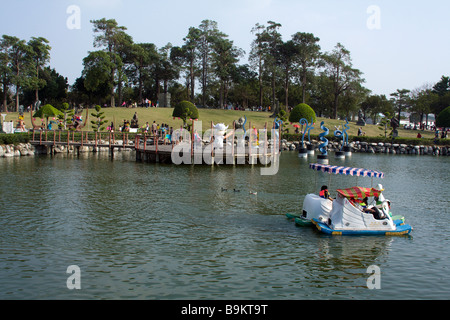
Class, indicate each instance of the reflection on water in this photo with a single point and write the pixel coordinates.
(143, 231)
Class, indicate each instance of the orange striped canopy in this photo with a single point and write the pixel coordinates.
(359, 193)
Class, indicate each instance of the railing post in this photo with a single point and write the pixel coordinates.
(250, 144)
(265, 140)
(232, 141)
(212, 144)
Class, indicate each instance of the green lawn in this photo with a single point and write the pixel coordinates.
(258, 119)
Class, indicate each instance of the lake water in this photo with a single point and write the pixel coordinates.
(150, 231)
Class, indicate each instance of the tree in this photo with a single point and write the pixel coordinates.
(308, 57)
(322, 95)
(96, 73)
(287, 54)
(143, 56)
(339, 68)
(443, 119)
(421, 101)
(385, 124)
(351, 100)
(166, 70)
(224, 59)
(401, 100)
(244, 89)
(5, 68)
(272, 38)
(98, 125)
(189, 53)
(264, 57)
(78, 93)
(442, 89)
(208, 33)
(111, 36)
(18, 55)
(256, 57)
(53, 92)
(40, 57)
(374, 105)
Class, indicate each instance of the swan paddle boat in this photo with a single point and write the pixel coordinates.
(317, 210)
(347, 217)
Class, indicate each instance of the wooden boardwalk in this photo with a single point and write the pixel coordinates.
(48, 141)
(171, 154)
(147, 150)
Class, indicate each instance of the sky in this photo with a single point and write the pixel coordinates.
(396, 44)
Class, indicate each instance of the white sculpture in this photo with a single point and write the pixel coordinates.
(219, 135)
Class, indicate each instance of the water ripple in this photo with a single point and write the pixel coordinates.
(141, 231)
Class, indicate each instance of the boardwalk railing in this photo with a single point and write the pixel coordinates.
(83, 138)
(156, 147)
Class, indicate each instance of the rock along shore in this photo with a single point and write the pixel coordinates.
(381, 147)
(27, 149)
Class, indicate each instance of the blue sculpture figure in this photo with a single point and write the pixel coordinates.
(324, 144)
(50, 125)
(346, 127)
(308, 128)
(278, 123)
(342, 134)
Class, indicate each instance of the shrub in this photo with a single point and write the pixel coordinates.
(98, 125)
(15, 139)
(443, 119)
(185, 110)
(302, 111)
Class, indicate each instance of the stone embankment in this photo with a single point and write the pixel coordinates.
(27, 149)
(381, 147)
(20, 150)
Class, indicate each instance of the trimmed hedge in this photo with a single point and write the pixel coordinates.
(15, 139)
(302, 111)
(181, 107)
(443, 119)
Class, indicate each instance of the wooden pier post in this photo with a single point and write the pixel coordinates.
(250, 143)
(265, 143)
(232, 143)
(212, 144)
